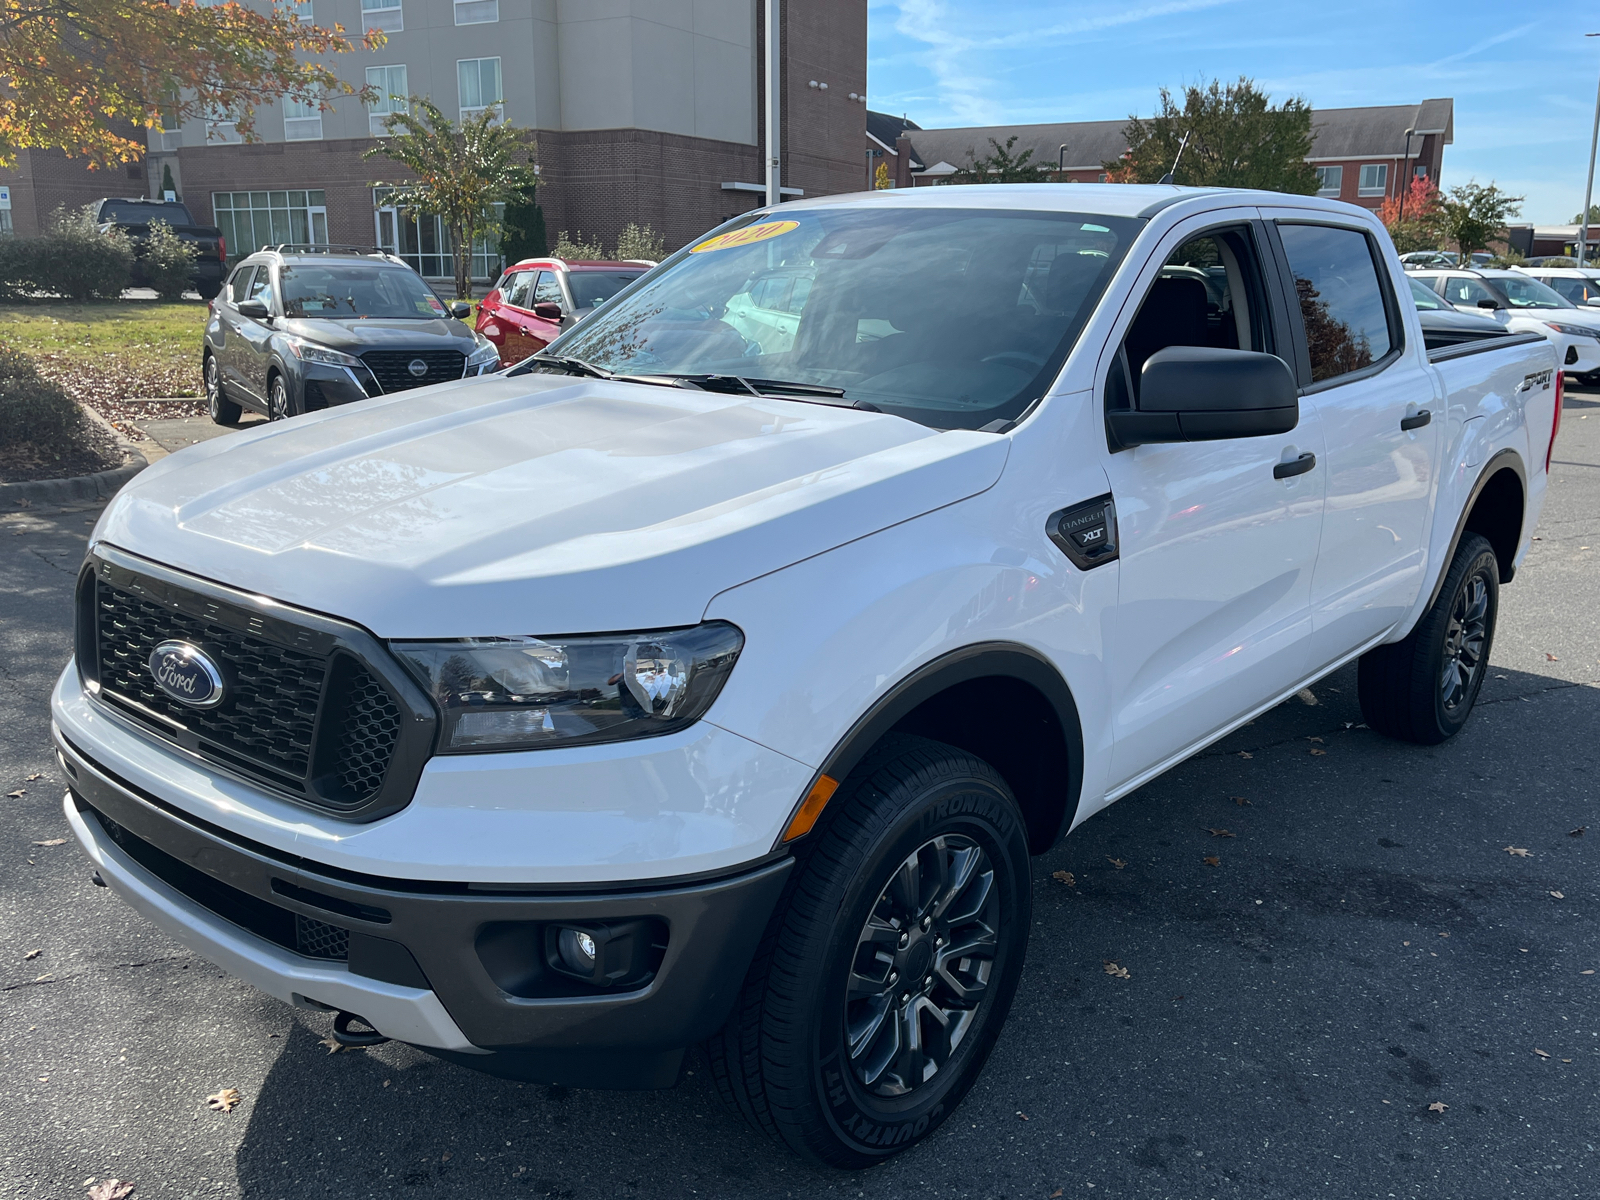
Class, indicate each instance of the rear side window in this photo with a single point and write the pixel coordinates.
(1341, 298)
(517, 290)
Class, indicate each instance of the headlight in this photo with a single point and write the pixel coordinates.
(310, 352)
(523, 693)
(485, 353)
(1573, 330)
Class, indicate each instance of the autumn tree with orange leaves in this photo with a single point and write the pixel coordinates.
(74, 72)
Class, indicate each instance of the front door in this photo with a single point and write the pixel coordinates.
(1213, 615)
(255, 337)
(1383, 421)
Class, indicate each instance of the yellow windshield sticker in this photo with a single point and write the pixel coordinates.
(743, 237)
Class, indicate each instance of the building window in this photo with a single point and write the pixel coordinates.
(302, 120)
(1103, 177)
(382, 14)
(1374, 179)
(390, 84)
(1420, 171)
(251, 220)
(424, 243)
(220, 127)
(478, 85)
(1330, 181)
(300, 10)
(477, 12)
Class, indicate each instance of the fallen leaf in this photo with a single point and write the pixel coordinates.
(1118, 863)
(35, 775)
(1405, 943)
(225, 1100)
(1551, 658)
(1245, 754)
(1114, 970)
(385, 1083)
(1566, 1060)
(1578, 832)
(1241, 801)
(1066, 877)
(31, 954)
(42, 978)
(1220, 832)
(1438, 1106)
(111, 1189)
(1590, 971)
(1211, 860)
(1023, 1115)
(445, 1157)
(53, 842)
(334, 1045)
(1517, 852)
(1444, 935)
(1559, 895)
(1055, 1194)
(17, 795)
(1541, 1053)
(1314, 739)
(1314, 750)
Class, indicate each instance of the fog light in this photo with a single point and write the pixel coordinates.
(606, 954)
(577, 951)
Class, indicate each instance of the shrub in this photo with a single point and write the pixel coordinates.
(575, 247)
(35, 410)
(522, 233)
(167, 261)
(74, 260)
(641, 242)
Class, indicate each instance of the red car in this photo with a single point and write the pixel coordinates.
(539, 298)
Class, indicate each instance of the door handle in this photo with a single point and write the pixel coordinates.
(1417, 420)
(1287, 470)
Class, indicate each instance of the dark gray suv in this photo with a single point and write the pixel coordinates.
(299, 328)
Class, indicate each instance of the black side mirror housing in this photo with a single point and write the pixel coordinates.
(548, 310)
(461, 310)
(254, 309)
(1489, 304)
(1203, 394)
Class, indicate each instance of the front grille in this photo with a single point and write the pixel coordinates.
(304, 711)
(318, 939)
(392, 368)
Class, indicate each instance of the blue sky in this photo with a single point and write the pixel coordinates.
(1523, 75)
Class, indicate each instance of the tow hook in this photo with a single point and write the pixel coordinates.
(345, 1036)
(96, 880)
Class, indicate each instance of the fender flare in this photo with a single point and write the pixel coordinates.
(1501, 460)
(981, 660)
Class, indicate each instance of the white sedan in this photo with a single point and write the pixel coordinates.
(1581, 285)
(1524, 305)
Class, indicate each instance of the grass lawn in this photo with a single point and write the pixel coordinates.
(110, 353)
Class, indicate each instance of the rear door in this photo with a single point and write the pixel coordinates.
(1216, 554)
(516, 299)
(1382, 420)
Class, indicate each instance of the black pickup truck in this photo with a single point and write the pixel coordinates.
(133, 216)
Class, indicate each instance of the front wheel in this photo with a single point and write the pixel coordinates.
(1422, 688)
(278, 406)
(223, 411)
(891, 963)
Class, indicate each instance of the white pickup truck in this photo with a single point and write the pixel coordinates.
(678, 686)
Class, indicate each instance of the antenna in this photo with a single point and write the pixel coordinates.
(1167, 178)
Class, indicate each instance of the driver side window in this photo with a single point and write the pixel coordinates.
(548, 290)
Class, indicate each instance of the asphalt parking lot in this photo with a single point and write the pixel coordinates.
(1367, 995)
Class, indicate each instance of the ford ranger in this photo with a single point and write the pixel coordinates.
(683, 687)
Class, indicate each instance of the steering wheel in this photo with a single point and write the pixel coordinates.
(1033, 361)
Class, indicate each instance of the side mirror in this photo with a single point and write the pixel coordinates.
(255, 309)
(1489, 304)
(547, 310)
(1201, 394)
(461, 310)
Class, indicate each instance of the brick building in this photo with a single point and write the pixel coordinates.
(643, 112)
(1361, 154)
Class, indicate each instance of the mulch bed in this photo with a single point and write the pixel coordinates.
(25, 461)
(112, 386)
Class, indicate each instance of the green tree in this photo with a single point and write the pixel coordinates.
(522, 231)
(1474, 213)
(880, 178)
(461, 171)
(1236, 138)
(640, 242)
(166, 180)
(1594, 216)
(167, 261)
(1001, 166)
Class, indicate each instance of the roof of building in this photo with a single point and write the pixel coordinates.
(886, 130)
(1338, 133)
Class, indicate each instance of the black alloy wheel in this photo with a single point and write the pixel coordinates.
(278, 399)
(1422, 688)
(222, 410)
(890, 962)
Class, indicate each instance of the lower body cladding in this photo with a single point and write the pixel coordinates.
(602, 988)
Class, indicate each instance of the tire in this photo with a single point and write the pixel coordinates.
(1422, 688)
(208, 289)
(834, 1075)
(279, 406)
(223, 411)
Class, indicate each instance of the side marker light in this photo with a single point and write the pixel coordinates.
(811, 808)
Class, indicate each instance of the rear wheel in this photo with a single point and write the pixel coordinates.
(223, 411)
(209, 289)
(889, 967)
(1422, 688)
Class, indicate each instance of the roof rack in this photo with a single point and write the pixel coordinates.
(325, 248)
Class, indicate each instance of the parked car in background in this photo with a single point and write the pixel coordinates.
(1524, 305)
(1581, 285)
(298, 328)
(1443, 325)
(532, 303)
(1418, 259)
(133, 217)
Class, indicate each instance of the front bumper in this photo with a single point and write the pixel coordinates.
(454, 968)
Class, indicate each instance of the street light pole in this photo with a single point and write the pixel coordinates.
(1588, 188)
(1405, 173)
(774, 69)
(1061, 161)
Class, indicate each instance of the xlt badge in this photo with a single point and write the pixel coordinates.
(1086, 533)
(188, 674)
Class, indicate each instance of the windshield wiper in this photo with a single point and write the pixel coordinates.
(564, 362)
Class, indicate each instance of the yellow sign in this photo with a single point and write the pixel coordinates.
(743, 237)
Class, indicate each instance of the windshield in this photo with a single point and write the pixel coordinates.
(1523, 292)
(591, 287)
(353, 290)
(955, 318)
(125, 213)
(1578, 291)
(1423, 296)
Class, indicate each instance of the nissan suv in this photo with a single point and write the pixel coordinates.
(300, 328)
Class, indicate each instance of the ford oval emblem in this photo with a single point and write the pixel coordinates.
(417, 367)
(188, 674)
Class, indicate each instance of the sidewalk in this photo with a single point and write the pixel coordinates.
(170, 434)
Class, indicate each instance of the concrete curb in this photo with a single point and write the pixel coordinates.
(79, 489)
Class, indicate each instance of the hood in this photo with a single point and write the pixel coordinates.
(537, 504)
(1451, 319)
(354, 335)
